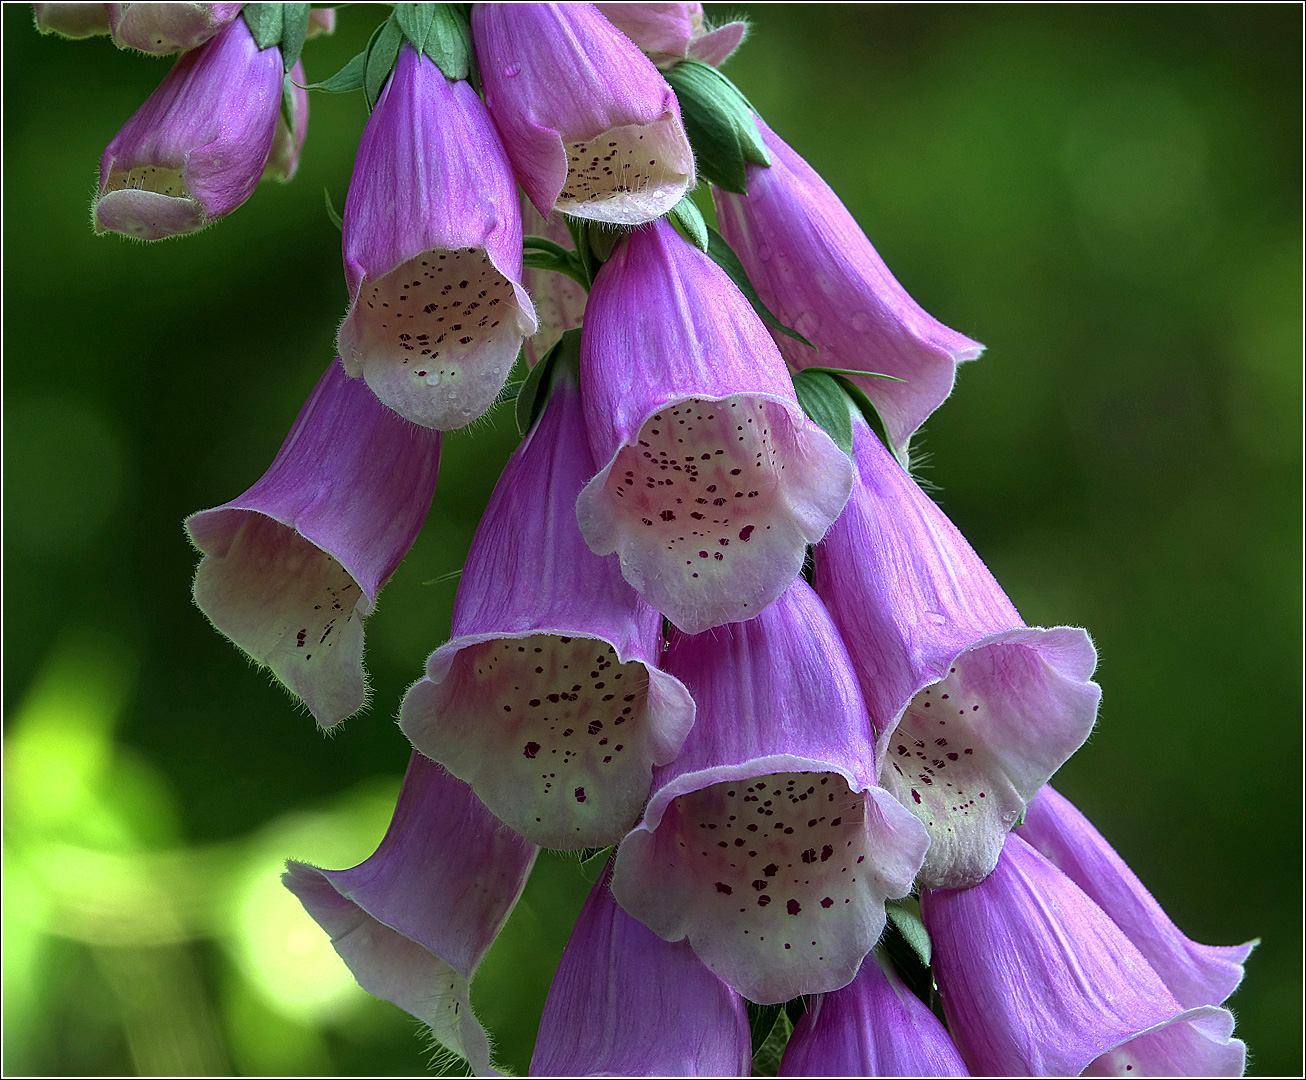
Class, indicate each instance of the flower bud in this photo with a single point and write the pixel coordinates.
(197, 148)
(591, 126)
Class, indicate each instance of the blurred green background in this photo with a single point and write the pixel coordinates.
(1107, 196)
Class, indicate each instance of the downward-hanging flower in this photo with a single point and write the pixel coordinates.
(591, 126)
(766, 842)
(669, 33)
(1196, 974)
(549, 700)
(197, 148)
(293, 566)
(713, 481)
(814, 267)
(433, 252)
(1037, 980)
(415, 920)
(626, 1003)
(973, 710)
(167, 28)
(874, 1026)
(288, 142)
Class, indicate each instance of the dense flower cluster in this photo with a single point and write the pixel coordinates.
(708, 617)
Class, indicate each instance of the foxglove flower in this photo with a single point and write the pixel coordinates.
(559, 301)
(669, 33)
(1037, 980)
(814, 267)
(591, 126)
(433, 252)
(713, 480)
(973, 710)
(167, 28)
(766, 842)
(626, 1003)
(288, 142)
(1196, 974)
(414, 921)
(72, 20)
(196, 149)
(874, 1026)
(548, 699)
(293, 566)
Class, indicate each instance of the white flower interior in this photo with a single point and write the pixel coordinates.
(711, 508)
(292, 607)
(627, 175)
(552, 733)
(436, 336)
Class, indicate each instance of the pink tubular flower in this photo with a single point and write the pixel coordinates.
(1196, 974)
(766, 842)
(293, 566)
(713, 480)
(289, 139)
(973, 710)
(548, 700)
(414, 921)
(591, 126)
(874, 1026)
(669, 33)
(72, 20)
(1037, 981)
(167, 28)
(559, 301)
(196, 149)
(814, 267)
(626, 1003)
(433, 252)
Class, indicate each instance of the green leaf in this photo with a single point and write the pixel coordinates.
(855, 373)
(905, 914)
(510, 392)
(348, 78)
(720, 124)
(288, 102)
(723, 255)
(534, 392)
(265, 22)
(761, 1019)
(688, 220)
(449, 43)
(382, 52)
(294, 29)
(824, 400)
(332, 213)
(543, 254)
(766, 1058)
(869, 412)
(589, 263)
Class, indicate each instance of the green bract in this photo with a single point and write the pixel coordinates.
(719, 122)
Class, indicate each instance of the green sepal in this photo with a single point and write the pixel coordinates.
(853, 373)
(534, 392)
(870, 413)
(288, 102)
(905, 915)
(332, 212)
(382, 52)
(688, 221)
(720, 124)
(284, 25)
(347, 79)
(509, 392)
(1021, 819)
(542, 253)
(774, 1024)
(824, 400)
(594, 860)
(442, 32)
(724, 256)
(265, 22)
(580, 236)
(294, 29)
